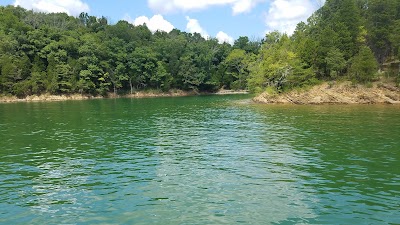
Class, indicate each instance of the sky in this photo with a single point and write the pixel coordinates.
(226, 20)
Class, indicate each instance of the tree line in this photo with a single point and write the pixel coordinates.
(343, 40)
(60, 54)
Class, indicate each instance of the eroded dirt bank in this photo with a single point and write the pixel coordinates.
(48, 97)
(45, 97)
(338, 93)
(140, 94)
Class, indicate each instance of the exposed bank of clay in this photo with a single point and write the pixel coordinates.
(140, 94)
(152, 94)
(46, 97)
(231, 92)
(337, 93)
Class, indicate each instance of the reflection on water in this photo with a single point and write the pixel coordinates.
(198, 160)
(230, 174)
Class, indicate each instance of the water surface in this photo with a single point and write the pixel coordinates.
(198, 160)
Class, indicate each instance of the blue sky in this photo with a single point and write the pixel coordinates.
(224, 19)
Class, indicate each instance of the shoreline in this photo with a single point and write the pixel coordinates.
(342, 93)
(140, 94)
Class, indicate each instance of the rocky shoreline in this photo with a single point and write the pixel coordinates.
(45, 97)
(49, 97)
(337, 93)
(141, 94)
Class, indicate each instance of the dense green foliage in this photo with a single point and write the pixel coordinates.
(60, 54)
(345, 39)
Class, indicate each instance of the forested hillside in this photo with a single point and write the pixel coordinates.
(345, 39)
(59, 54)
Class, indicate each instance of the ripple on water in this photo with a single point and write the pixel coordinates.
(200, 160)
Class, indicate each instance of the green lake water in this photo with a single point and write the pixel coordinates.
(198, 160)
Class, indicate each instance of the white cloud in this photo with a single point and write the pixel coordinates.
(155, 23)
(168, 6)
(71, 7)
(284, 15)
(193, 26)
(224, 38)
(244, 6)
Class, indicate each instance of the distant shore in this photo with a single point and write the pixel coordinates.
(140, 94)
(337, 93)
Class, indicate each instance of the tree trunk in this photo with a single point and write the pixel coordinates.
(131, 85)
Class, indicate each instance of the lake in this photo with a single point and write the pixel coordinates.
(198, 160)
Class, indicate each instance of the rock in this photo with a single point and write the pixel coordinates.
(337, 93)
